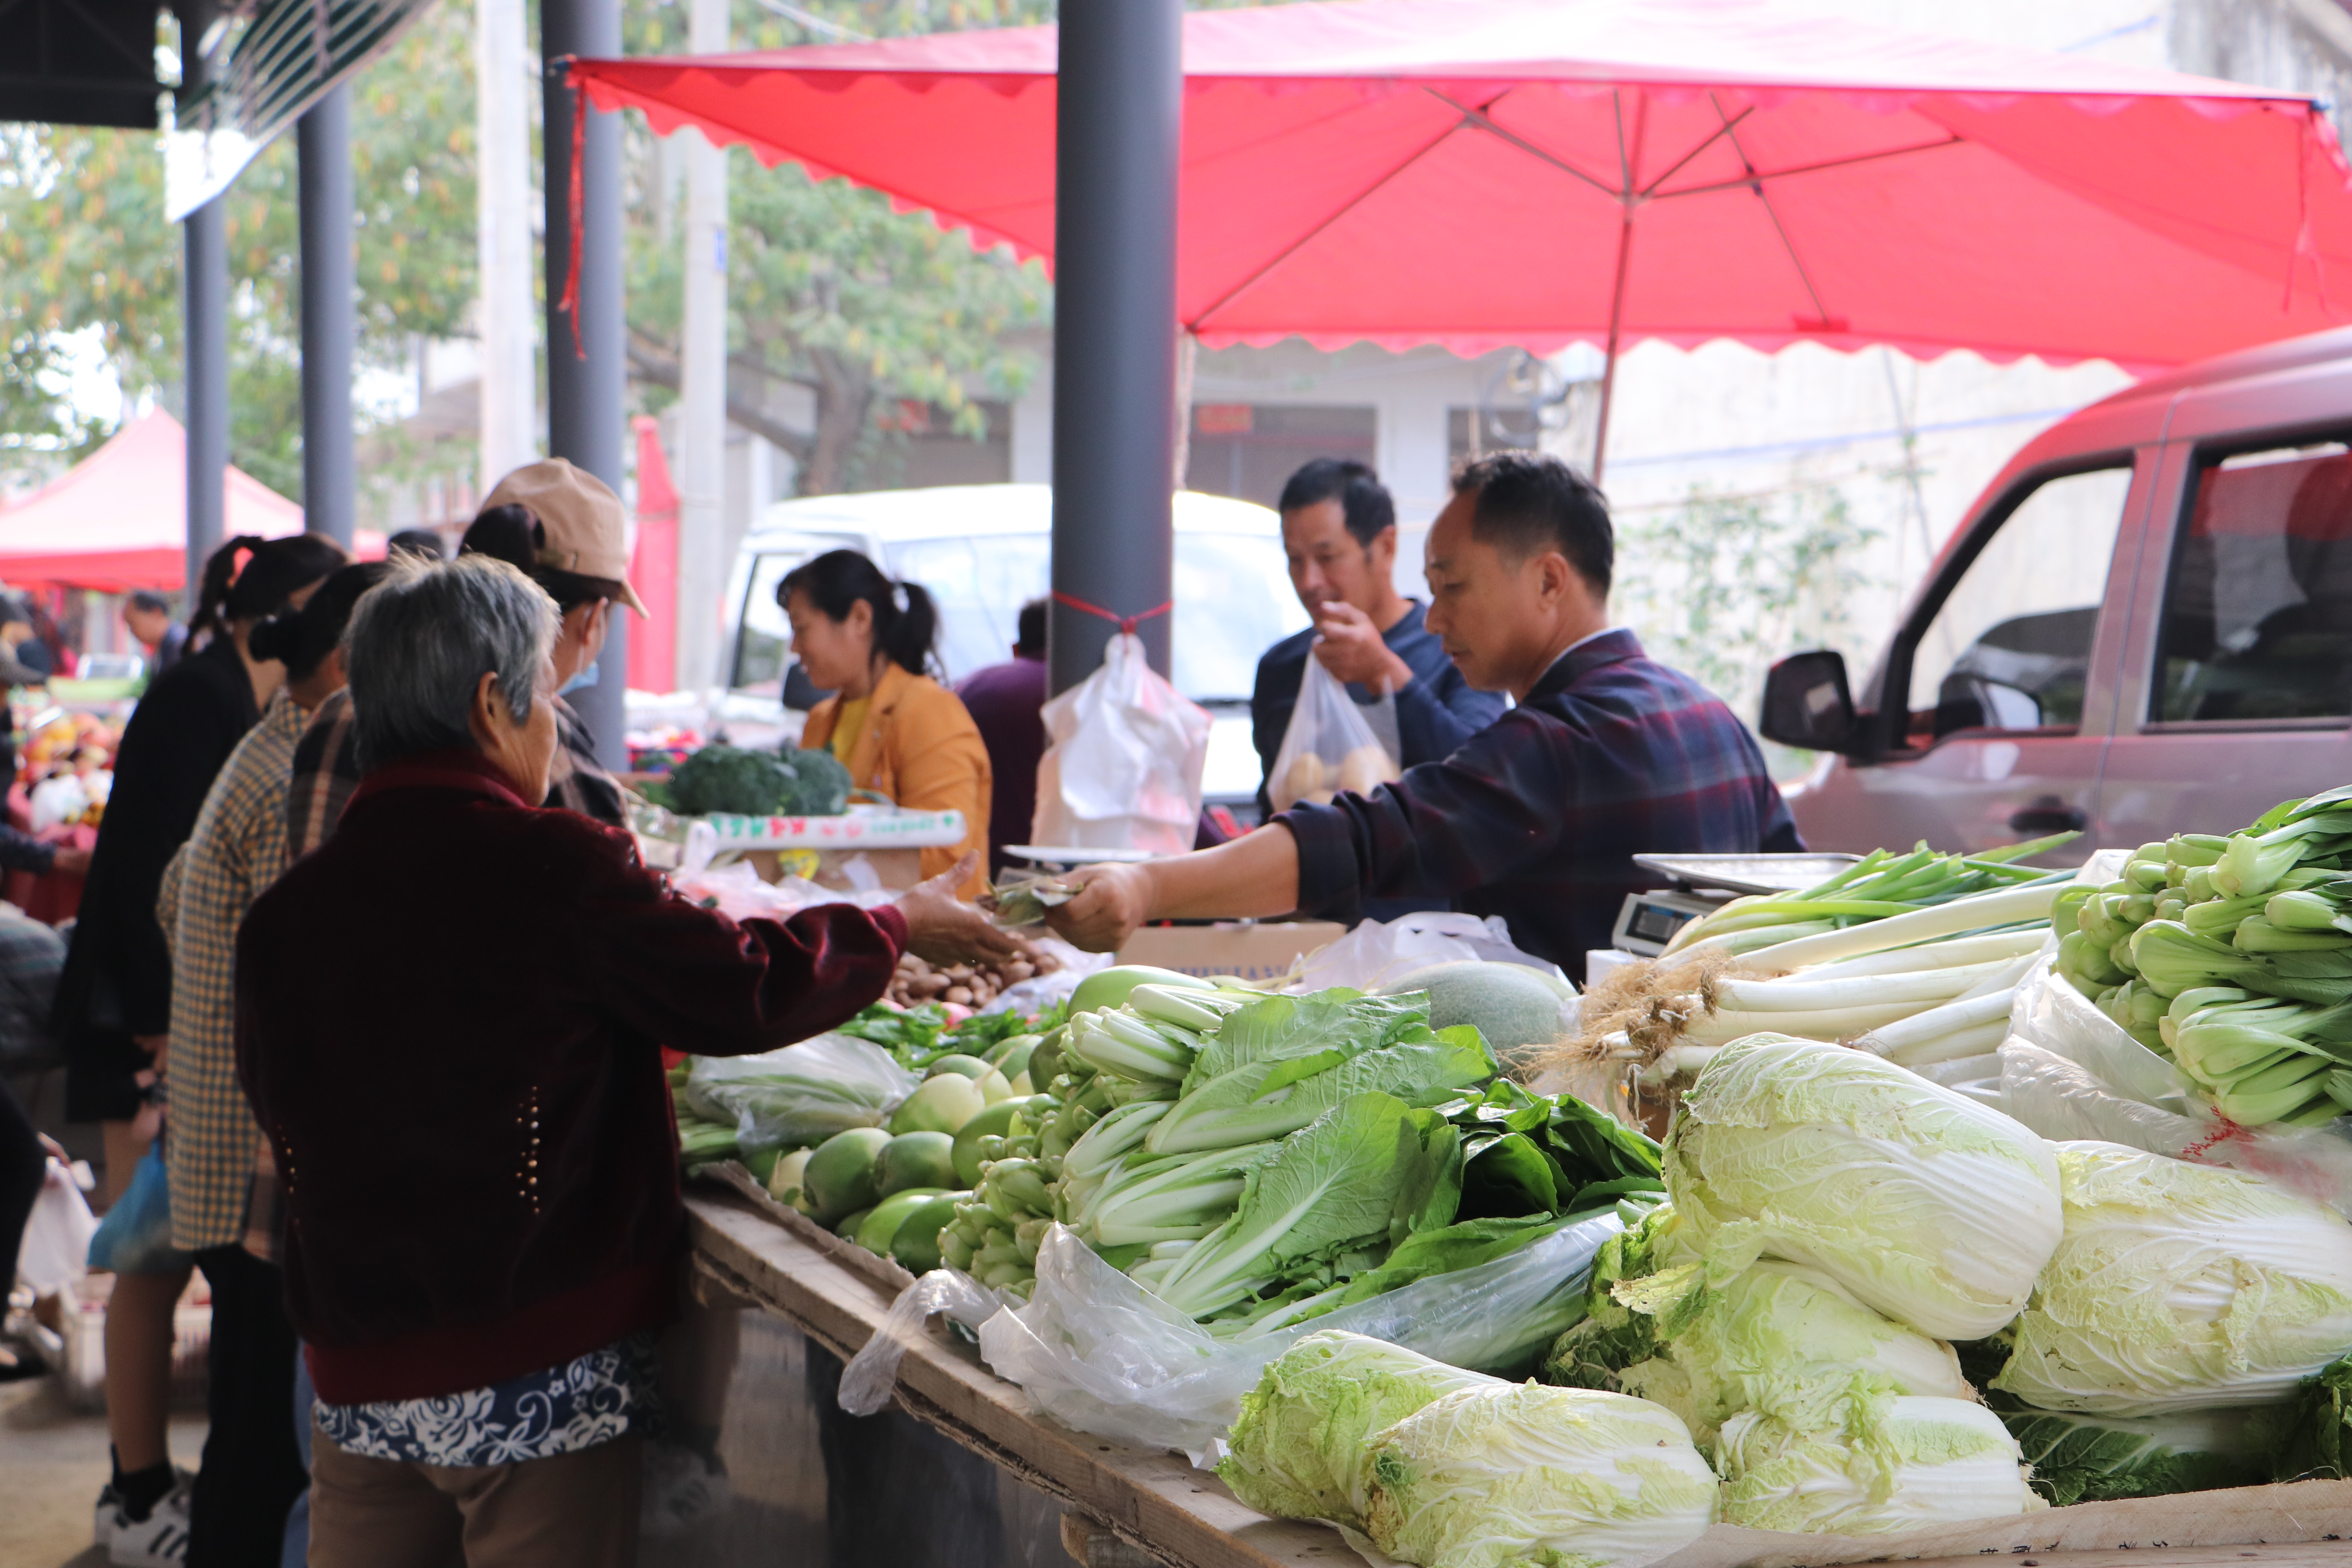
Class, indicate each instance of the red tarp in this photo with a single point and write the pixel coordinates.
(1470, 173)
(118, 520)
(653, 566)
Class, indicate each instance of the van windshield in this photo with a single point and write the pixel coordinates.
(1233, 602)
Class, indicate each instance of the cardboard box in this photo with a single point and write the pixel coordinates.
(1254, 950)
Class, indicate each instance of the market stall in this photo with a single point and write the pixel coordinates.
(1998, 1209)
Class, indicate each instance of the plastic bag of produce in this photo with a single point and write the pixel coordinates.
(1329, 745)
(801, 1095)
(1123, 769)
(1098, 1352)
(1377, 953)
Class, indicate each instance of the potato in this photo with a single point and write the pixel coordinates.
(1305, 775)
(1366, 768)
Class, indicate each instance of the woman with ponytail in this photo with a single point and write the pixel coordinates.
(114, 1001)
(899, 733)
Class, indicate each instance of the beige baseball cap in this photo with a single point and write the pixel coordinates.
(586, 529)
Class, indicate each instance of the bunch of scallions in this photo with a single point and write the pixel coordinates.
(2233, 956)
(1916, 957)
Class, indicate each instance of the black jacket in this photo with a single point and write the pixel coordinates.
(118, 976)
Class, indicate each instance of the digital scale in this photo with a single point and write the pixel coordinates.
(1701, 884)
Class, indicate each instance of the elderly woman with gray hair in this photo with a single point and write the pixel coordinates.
(448, 1020)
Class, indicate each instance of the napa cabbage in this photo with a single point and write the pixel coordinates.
(1518, 1473)
(1301, 1447)
(1877, 1463)
(2179, 1287)
(1928, 1207)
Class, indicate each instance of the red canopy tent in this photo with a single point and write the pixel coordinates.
(653, 565)
(118, 520)
(1487, 172)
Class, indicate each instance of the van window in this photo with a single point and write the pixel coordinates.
(2258, 605)
(2010, 648)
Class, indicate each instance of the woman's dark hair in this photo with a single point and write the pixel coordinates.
(301, 639)
(274, 571)
(513, 533)
(905, 624)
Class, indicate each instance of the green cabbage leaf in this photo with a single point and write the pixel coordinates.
(2097, 1459)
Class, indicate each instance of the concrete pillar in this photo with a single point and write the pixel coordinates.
(1121, 114)
(204, 235)
(330, 317)
(586, 377)
(702, 386)
(509, 329)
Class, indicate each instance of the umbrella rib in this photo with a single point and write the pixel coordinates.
(1478, 119)
(1712, 138)
(1821, 311)
(1201, 318)
(1954, 140)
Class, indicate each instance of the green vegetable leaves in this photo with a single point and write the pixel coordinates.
(2096, 1459)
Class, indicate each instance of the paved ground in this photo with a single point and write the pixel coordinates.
(52, 1463)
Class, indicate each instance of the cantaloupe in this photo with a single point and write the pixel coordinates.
(1516, 1008)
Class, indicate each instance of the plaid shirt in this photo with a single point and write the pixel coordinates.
(326, 771)
(1537, 817)
(237, 849)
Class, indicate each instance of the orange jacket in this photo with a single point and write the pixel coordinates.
(921, 750)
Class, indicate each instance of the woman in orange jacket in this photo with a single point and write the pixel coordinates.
(899, 733)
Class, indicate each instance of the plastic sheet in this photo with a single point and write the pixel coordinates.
(1378, 952)
(802, 1094)
(135, 1237)
(56, 1234)
(1098, 1352)
(873, 1372)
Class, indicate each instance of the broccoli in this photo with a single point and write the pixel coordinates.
(727, 779)
(819, 784)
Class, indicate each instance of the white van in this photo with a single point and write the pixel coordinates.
(983, 551)
(2143, 627)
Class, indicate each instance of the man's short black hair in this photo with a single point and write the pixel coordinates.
(1363, 499)
(1029, 630)
(152, 602)
(1530, 501)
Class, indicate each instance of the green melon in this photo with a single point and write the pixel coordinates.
(915, 1160)
(839, 1175)
(1516, 1008)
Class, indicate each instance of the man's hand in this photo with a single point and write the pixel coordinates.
(1352, 648)
(944, 929)
(1113, 901)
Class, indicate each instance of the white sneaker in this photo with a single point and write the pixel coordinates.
(159, 1541)
(110, 1503)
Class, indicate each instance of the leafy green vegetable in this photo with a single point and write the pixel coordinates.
(1930, 1207)
(2179, 1287)
(1337, 1021)
(1276, 1095)
(1334, 1186)
(1465, 1243)
(1519, 1473)
(1881, 1463)
(2308, 1436)
(802, 1094)
(1299, 1448)
(1507, 1174)
(2096, 1459)
(820, 784)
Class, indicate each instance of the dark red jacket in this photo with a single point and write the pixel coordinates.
(448, 1020)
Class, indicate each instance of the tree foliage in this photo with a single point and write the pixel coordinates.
(84, 247)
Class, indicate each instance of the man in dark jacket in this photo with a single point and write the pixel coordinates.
(1537, 818)
(461, 1081)
(1007, 702)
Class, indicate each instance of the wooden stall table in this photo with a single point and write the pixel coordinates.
(1127, 1506)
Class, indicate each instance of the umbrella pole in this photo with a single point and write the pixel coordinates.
(1616, 325)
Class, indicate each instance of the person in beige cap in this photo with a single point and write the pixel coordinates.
(569, 532)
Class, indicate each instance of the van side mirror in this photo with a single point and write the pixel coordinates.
(1807, 705)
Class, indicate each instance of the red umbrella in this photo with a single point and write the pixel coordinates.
(1533, 172)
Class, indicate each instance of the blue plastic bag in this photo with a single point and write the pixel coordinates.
(135, 1237)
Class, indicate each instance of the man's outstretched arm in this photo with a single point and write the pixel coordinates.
(1254, 875)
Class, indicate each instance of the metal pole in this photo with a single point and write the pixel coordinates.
(1118, 122)
(204, 235)
(702, 377)
(330, 317)
(585, 382)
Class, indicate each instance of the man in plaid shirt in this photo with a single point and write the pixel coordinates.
(1536, 818)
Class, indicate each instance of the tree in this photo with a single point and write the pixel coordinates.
(84, 246)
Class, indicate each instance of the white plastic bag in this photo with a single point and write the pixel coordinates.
(873, 1372)
(802, 1094)
(1378, 952)
(1123, 767)
(1098, 1352)
(1329, 745)
(56, 1234)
